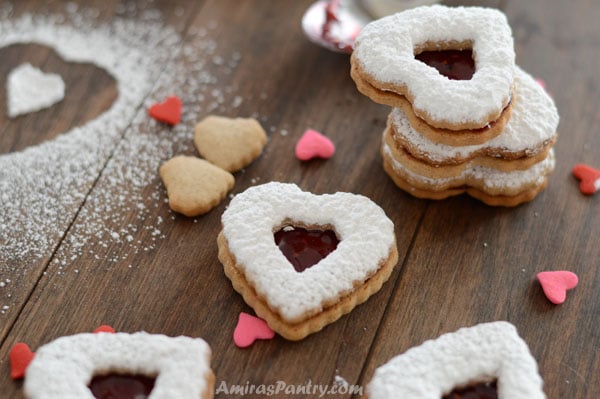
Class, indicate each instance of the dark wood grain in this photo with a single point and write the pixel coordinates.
(89, 91)
(461, 262)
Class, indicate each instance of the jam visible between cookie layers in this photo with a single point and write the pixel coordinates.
(454, 64)
(305, 248)
(486, 390)
(121, 386)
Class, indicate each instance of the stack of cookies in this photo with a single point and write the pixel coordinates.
(465, 118)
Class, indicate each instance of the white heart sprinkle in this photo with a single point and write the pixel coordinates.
(29, 89)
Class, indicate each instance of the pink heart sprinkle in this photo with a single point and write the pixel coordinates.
(313, 144)
(590, 178)
(555, 284)
(169, 111)
(250, 328)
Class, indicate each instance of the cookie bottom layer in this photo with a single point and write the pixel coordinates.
(312, 324)
(493, 200)
(435, 171)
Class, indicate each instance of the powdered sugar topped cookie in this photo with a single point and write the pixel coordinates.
(169, 367)
(530, 130)
(384, 60)
(490, 354)
(303, 260)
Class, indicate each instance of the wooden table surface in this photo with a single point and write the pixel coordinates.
(461, 262)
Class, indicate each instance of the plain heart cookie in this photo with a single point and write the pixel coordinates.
(230, 143)
(194, 186)
(301, 260)
(142, 364)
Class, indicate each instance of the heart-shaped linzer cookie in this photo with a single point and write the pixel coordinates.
(294, 303)
(169, 367)
(194, 186)
(473, 358)
(168, 111)
(590, 178)
(384, 66)
(313, 144)
(250, 328)
(230, 143)
(29, 89)
(556, 283)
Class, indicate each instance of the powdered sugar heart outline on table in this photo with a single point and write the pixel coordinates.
(29, 89)
(40, 185)
(43, 181)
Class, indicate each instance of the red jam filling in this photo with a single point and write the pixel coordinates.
(305, 248)
(486, 390)
(121, 386)
(454, 64)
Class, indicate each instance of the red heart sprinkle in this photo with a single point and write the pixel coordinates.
(313, 144)
(20, 356)
(169, 111)
(556, 283)
(590, 178)
(250, 328)
(104, 329)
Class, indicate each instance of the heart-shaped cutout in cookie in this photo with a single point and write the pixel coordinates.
(230, 143)
(453, 64)
(29, 89)
(250, 328)
(20, 356)
(590, 178)
(304, 248)
(384, 66)
(313, 144)
(555, 284)
(296, 304)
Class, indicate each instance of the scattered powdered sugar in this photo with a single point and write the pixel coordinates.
(29, 89)
(43, 187)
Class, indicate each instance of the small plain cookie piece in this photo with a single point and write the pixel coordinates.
(296, 304)
(483, 353)
(230, 143)
(64, 367)
(194, 186)
(384, 58)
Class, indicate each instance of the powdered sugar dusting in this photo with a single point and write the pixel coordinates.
(28, 89)
(42, 187)
(385, 50)
(532, 126)
(483, 176)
